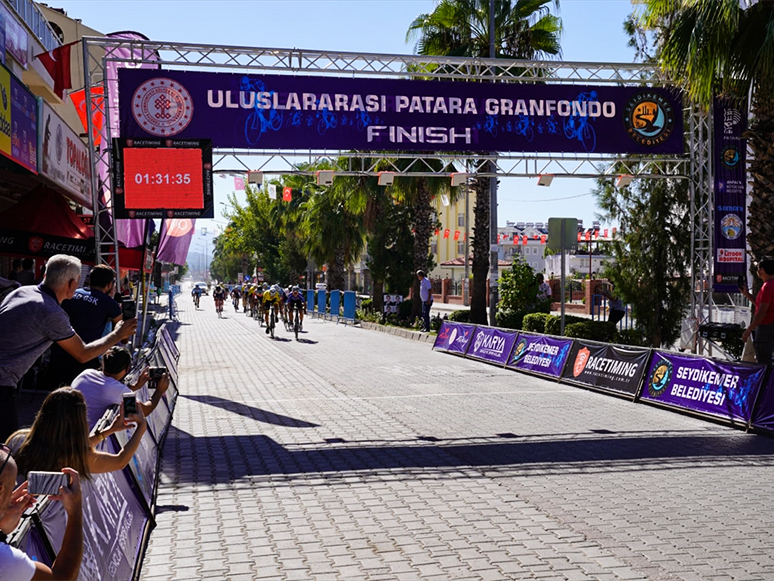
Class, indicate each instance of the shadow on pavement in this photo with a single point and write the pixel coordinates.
(262, 456)
(257, 414)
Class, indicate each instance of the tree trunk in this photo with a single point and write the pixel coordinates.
(335, 272)
(478, 312)
(378, 296)
(423, 228)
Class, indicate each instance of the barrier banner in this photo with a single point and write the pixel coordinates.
(33, 546)
(335, 309)
(113, 525)
(261, 111)
(143, 463)
(764, 413)
(540, 354)
(321, 302)
(610, 367)
(491, 345)
(350, 302)
(454, 337)
(718, 388)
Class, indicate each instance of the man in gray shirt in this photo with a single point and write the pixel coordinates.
(31, 319)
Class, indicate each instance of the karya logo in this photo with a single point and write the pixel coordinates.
(35, 244)
(580, 362)
(162, 107)
(659, 379)
(649, 118)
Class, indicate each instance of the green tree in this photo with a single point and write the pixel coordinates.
(524, 29)
(722, 47)
(651, 252)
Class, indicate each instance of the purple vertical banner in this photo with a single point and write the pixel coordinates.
(540, 354)
(175, 239)
(491, 345)
(708, 386)
(454, 337)
(764, 412)
(729, 157)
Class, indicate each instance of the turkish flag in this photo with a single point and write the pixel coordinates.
(436, 231)
(524, 241)
(543, 239)
(456, 234)
(98, 115)
(57, 64)
(515, 238)
(604, 233)
(588, 235)
(579, 236)
(287, 194)
(446, 233)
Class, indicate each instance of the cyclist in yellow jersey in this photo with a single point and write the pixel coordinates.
(271, 297)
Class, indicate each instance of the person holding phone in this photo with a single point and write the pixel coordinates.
(763, 320)
(14, 564)
(31, 320)
(59, 437)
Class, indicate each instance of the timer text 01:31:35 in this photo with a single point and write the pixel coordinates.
(162, 178)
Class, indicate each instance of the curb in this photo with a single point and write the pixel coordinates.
(399, 332)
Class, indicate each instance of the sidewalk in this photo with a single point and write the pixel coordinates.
(359, 455)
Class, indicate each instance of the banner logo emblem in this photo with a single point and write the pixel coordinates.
(35, 244)
(162, 107)
(730, 156)
(731, 226)
(649, 119)
(520, 351)
(452, 337)
(580, 362)
(659, 379)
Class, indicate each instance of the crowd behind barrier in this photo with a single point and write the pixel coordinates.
(740, 394)
(118, 507)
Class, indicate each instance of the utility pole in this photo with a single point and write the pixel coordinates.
(494, 271)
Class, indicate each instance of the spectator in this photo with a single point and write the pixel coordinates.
(14, 564)
(763, 320)
(101, 389)
(543, 298)
(16, 266)
(6, 286)
(59, 437)
(31, 319)
(426, 296)
(616, 308)
(26, 277)
(90, 310)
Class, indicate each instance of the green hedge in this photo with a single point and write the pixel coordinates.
(553, 324)
(509, 319)
(461, 316)
(593, 330)
(535, 322)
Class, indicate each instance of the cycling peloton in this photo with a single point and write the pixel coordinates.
(296, 300)
(220, 296)
(272, 296)
(236, 294)
(196, 293)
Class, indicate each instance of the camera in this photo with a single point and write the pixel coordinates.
(156, 373)
(45, 483)
(129, 309)
(130, 404)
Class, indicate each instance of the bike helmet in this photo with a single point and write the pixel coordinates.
(295, 289)
(275, 289)
(266, 286)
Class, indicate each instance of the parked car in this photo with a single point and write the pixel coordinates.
(203, 286)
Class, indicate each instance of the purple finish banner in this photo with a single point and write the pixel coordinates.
(540, 354)
(764, 413)
(730, 157)
(454, 337)
(306, 112)
(719, 388)
(491, 345)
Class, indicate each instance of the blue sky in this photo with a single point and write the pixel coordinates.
(592, 33)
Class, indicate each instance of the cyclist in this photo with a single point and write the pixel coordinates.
(219, 295)
(196, 293)
(271, 297)
(236, 294)
(296, 300)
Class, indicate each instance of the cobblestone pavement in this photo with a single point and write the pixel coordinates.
(354, 454)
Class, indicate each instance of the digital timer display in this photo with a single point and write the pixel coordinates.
(169, 178)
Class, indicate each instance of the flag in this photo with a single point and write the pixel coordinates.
(98, 116)
(588, 235)
(604, 233)
(580, 236)
(176, 235)
(613, 232)
(543, 239)
(456, 234)
(515, 238)
(436, 231)
(239, 183)
(131, 233)
(524, 241)
(57, 64)
(272, 192)
(446, 233)
(287, 194)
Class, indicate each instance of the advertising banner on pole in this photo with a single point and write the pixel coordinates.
(718, 388)
(764, 412)
(454, 337)
(607, 367)
(540, 354)
(491, 345)
(730, 183)
(18, 122)
(239, 111)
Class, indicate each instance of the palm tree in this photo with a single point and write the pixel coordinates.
(524, 29)
(726, 47)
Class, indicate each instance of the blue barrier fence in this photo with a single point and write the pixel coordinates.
(335, 308)
(350, 305)
(321, 299)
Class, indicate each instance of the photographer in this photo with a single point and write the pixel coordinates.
(103, 388)
(763, 321)
(14, 564)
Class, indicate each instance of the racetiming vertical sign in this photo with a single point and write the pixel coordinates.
(729, 157)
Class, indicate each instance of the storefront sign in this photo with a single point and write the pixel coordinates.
(491, 345)
(18, 121)
(723, 389)
(64, 158)
(539, 354)
(606, 366)
(454, 337)
(260, 111)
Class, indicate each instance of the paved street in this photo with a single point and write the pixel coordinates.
(355, 454)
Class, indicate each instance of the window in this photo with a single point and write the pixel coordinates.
(461, 220)
(460, 248)
(434, 248)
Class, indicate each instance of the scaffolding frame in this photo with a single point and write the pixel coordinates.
(695, 165)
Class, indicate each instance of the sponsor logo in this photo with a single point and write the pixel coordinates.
(731, 226)
(520, 351)
(730, 156)
(162, 107)
(489, 344)
(4, 97)
(649, 118)
(59, 143)
(452, 337)
(731, 255)
(659, 379)
(731, 118)
(580, 361)
(35, 244)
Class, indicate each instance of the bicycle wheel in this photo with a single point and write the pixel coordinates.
(272, 323)
(295, 326)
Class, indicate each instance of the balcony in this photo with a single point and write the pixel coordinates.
(31, 15)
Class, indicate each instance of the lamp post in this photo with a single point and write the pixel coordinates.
(493, 246)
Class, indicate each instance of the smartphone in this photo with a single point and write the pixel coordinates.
(129, 309)
(741, 281)
(156, 373)
(46, 483)
(130, 404)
